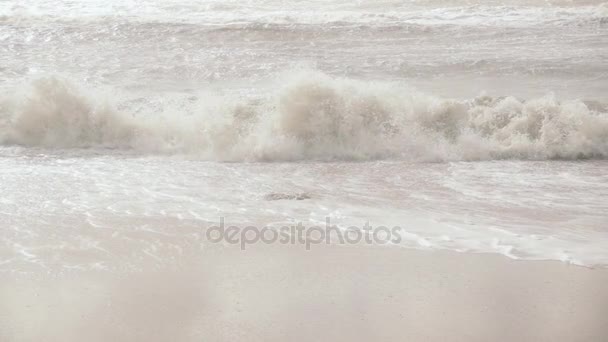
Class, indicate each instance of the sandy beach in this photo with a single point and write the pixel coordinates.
(284, 293)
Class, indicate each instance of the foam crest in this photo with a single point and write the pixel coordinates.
(311, 116)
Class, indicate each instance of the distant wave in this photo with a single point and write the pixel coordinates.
(240, 14)
(311, 116)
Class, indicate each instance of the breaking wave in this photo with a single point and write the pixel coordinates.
(311, 116)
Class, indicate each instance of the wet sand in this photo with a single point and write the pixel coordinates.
(332, 293)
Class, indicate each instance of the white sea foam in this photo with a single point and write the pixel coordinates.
(313, 116)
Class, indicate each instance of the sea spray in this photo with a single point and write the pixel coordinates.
(311, 116)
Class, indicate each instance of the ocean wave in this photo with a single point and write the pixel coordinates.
(242, 15)
(310, 116)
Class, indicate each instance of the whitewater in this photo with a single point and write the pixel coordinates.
(128, 128)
